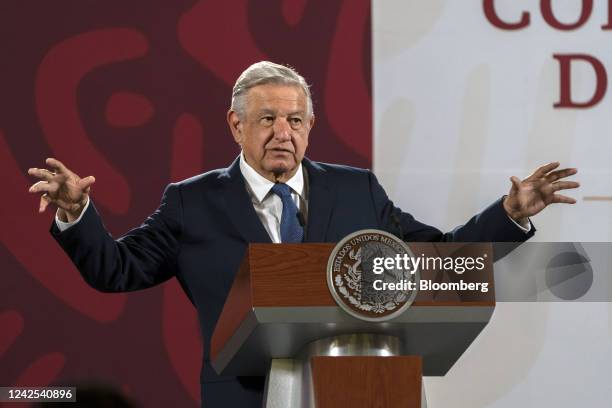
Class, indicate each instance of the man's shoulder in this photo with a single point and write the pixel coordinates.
(340, 176)
(337, 170)
(209, 179)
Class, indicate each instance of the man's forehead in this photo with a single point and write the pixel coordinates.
(272, 93)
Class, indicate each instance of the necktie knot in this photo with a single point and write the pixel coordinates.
(281, 190)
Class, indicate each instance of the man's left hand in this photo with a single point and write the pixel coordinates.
(530, 196)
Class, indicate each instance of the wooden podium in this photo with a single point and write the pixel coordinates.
(280, 320)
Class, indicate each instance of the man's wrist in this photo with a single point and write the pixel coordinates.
(62, 215)
(515, 215)
(80, 207)
(68, 218)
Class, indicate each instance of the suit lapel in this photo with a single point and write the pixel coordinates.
(239, 206)
(320, 202)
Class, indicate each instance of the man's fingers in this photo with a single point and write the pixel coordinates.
(43, 186)
(516, 183)
(57, 165)
(41, 173)
(52, 183)
(44, 202)
(558, 198)
(564, 185)
(85, 183)
(559, 174)
(543, 170)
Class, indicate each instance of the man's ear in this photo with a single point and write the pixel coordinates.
(311, 122)
(235, 125)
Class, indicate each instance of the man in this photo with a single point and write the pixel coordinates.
(270, 193)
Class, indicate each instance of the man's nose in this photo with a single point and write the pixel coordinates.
(282, 129)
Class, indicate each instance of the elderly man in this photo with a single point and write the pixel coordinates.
(270, 193)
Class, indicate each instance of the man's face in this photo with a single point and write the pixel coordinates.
(274, 131)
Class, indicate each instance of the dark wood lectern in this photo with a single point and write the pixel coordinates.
(280, 320)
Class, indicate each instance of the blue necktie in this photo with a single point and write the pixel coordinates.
(290, 228)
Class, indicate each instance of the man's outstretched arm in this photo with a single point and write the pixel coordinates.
(501, 221)
(142, 258)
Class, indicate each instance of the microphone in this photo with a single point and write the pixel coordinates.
(398, 225)
(302, 222)
(301, 219)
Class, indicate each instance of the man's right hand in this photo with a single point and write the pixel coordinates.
(63, 188)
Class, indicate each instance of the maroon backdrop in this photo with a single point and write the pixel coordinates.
(135, 93)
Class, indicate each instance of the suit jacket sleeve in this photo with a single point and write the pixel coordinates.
(491, 225)
(143, 257)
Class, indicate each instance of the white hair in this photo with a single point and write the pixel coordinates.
(266, 72)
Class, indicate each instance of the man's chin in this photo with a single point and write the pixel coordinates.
(281, 169)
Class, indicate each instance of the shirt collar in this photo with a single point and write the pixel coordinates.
(261, 186)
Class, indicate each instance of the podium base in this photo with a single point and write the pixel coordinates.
(358, 370)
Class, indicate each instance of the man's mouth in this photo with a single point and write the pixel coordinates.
(280, 150)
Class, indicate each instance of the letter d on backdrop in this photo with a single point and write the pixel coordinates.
(565, 77)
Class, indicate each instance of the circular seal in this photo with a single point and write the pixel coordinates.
(363, 285)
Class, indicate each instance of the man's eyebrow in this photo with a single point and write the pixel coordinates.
(300, 112)
(265, 111)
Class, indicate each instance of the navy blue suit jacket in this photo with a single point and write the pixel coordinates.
(200, 232)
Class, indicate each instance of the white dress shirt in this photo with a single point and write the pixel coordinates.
(268, 205)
